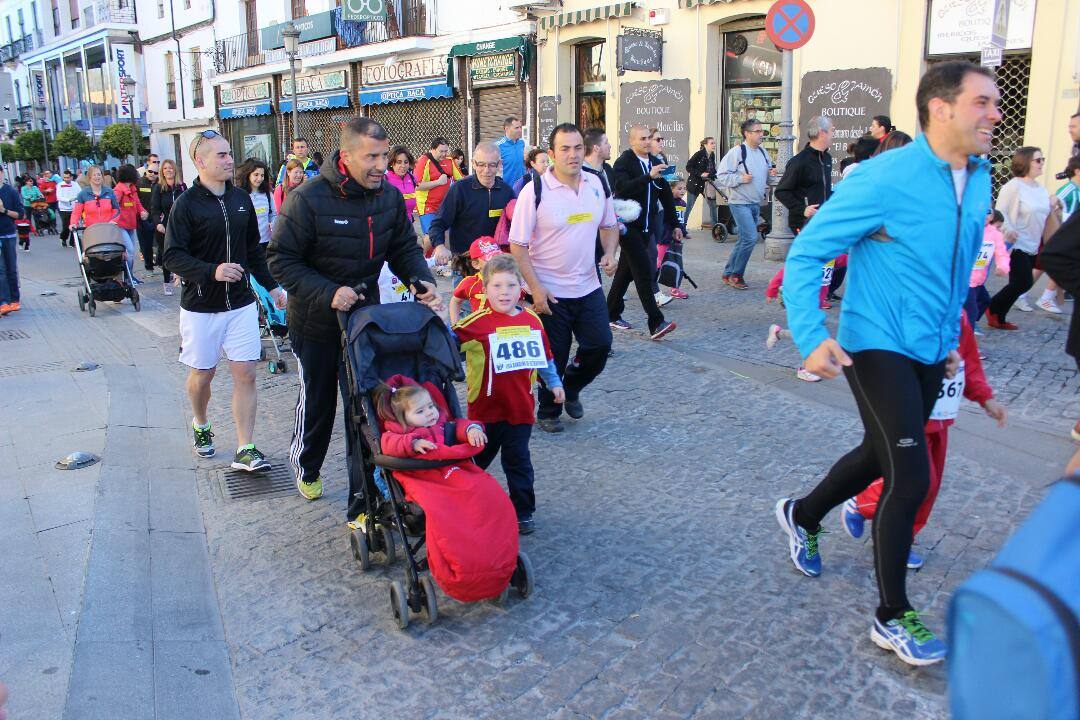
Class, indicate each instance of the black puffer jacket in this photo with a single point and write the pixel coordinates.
(205, 231)
(700, 162)
(807, 180)
(332, 232)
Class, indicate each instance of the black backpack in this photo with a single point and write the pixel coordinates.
(742, 160)
(671, 272)
(538, 186)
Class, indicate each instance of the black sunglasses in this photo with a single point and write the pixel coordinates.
(204, 135)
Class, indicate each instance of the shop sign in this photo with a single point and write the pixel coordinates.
(364, 10)
(321, 82)
(244, 111)
(547, 117)
(124, 67)
(39, 88)
(322, 102)
(965, 26)
(312, 27)
(663, 104)
(245, 93)
(310, 49)
(493, 69)
(641, 53)
(850, 99)
(405, 70)
(420, 91)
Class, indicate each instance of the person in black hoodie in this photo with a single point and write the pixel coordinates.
(334, 232)
(212, 243)
(807, 180)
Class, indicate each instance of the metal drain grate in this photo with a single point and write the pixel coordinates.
(31, 369)
(241, 485)
(13, 335)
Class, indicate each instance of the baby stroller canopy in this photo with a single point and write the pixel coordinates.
(101, 234)
(400, 339)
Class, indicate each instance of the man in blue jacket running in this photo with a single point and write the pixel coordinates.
(911, 221)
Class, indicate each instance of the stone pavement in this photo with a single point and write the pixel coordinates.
(663, 585)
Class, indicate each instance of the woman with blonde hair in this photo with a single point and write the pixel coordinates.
(294, 176)
(169, 186)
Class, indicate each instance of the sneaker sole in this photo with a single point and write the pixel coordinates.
(620, 327)
(843, 522)
(204, 454)
(662, 333)
(884, 643)
(250, 469)
(793, 544)
(306, 497)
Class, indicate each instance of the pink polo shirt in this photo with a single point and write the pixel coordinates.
(561, 233)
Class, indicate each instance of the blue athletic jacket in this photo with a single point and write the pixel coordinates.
(910, 247)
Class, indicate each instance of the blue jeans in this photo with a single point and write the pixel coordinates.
(130, 244)
(691, 198)
(746, 219)
(9, 269)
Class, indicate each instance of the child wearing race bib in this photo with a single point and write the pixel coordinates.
(993, 248)
(505, 349)
(969, 382)
(774, 290)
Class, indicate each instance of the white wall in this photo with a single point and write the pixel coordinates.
(150, 25)
(154, 57)
(454, 16)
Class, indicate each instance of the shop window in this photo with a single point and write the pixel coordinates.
(73, 10)
(170, 81)
(196, 78)
(590, 85)
(55, 17)
(751, 72)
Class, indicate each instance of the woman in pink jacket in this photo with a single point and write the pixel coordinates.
(401, 177)
(131, 210)
(993, 248)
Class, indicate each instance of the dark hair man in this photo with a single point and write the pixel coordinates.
(301, 152)
(745, 171)
(512, 149)
(435, 170)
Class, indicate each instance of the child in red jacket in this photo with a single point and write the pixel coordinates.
(969, 382)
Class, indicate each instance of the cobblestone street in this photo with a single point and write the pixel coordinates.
(663, 586)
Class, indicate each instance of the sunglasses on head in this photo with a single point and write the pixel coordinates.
(204, 135)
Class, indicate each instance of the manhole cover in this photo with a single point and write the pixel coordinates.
(241, 485)
(13, 335)
(76, 461)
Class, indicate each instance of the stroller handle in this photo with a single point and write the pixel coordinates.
(343, 317)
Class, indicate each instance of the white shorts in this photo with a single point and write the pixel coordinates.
(204, 335)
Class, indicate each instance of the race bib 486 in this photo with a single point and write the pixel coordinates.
(517, 347)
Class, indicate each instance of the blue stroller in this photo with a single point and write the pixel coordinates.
(272, 323)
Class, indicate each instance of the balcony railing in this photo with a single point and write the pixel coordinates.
(417, 18)
(109, 11)
(24, 44)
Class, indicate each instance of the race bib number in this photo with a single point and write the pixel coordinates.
(516, 348)
(262, 210)
(579, 218)
(947, 406)
(129, 204)
(985, 253)
(494, 213)
(827, 272)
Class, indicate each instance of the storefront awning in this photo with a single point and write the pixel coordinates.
(316, 102)
(428, 90)
(519, 45)
(249, 110)
(574, 17)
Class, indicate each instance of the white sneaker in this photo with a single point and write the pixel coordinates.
(773, 337)
(1049, 306)
(662, 299)
(1022, 304)
(168, 288)
(804, 374)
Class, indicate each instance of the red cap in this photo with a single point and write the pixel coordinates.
(484, 248)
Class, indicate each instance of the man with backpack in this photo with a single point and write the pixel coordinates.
(553, 238)
(745, 172)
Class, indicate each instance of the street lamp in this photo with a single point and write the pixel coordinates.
(291, 36)
(129, 85)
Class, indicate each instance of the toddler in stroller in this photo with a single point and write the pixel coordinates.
(44, 219)
(463, 524)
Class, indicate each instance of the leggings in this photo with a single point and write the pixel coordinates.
(1020, 281)
(895, 395)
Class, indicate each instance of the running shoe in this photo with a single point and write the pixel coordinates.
(550, 425)
(1076, 431)
(833, 297)
(773, 337)
(909, 639)
(16, 306)
(310, 490)
(662, 299)
(1049, 306)
(1023, 305)
(5, 308)
(854, 522)
(574, 409)
(804, 374)
(526, 526)
(802, 545)
(678, 294)
(997, 323)
(825, 306)
(620, 324)
(204, 441)
(738, 283)
(662, 329)
(726, 279)
(250, 459)
(915, 560)
(979, 333)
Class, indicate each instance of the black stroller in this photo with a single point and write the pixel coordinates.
(100, 251)
(381, 341)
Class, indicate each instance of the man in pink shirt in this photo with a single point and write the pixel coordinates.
(553, 239)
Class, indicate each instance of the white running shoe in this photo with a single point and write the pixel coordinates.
(1022, 304)
(804, 374)
(773, 337)
(662, 299)
(1049, 306)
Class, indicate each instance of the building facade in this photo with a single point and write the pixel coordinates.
(708, 64)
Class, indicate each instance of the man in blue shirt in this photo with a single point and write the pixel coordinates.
(911, 221)
(512, 149)
(11, 209)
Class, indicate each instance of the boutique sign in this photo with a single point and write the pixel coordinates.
(641, 53)
(662, 104)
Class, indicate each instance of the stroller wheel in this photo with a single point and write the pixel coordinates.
(92, 307)
(398, 604)
(135, 300)
(431, 605)
(282, 367)
(522, 579)
(359, 543)
(719, 232)
(500, 599)
(389, 547)
(82, 301)
(272, 366)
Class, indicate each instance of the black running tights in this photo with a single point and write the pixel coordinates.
(895, 395)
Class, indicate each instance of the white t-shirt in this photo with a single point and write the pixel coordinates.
(959, 181)
(1025, 205)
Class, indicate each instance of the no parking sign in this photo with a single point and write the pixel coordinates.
(789, 24)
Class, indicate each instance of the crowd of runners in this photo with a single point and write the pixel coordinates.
(526, 235)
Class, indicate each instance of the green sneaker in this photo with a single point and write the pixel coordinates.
(204, 441)
(310, 490)
(250, 459)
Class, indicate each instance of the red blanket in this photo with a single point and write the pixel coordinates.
(472, 537)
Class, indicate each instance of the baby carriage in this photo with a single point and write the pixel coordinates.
(44, 219)
(100, 252)
(408, 339)
(272, 323)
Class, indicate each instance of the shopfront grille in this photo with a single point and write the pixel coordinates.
(416, 124)
(493, 105)
(321, 128)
